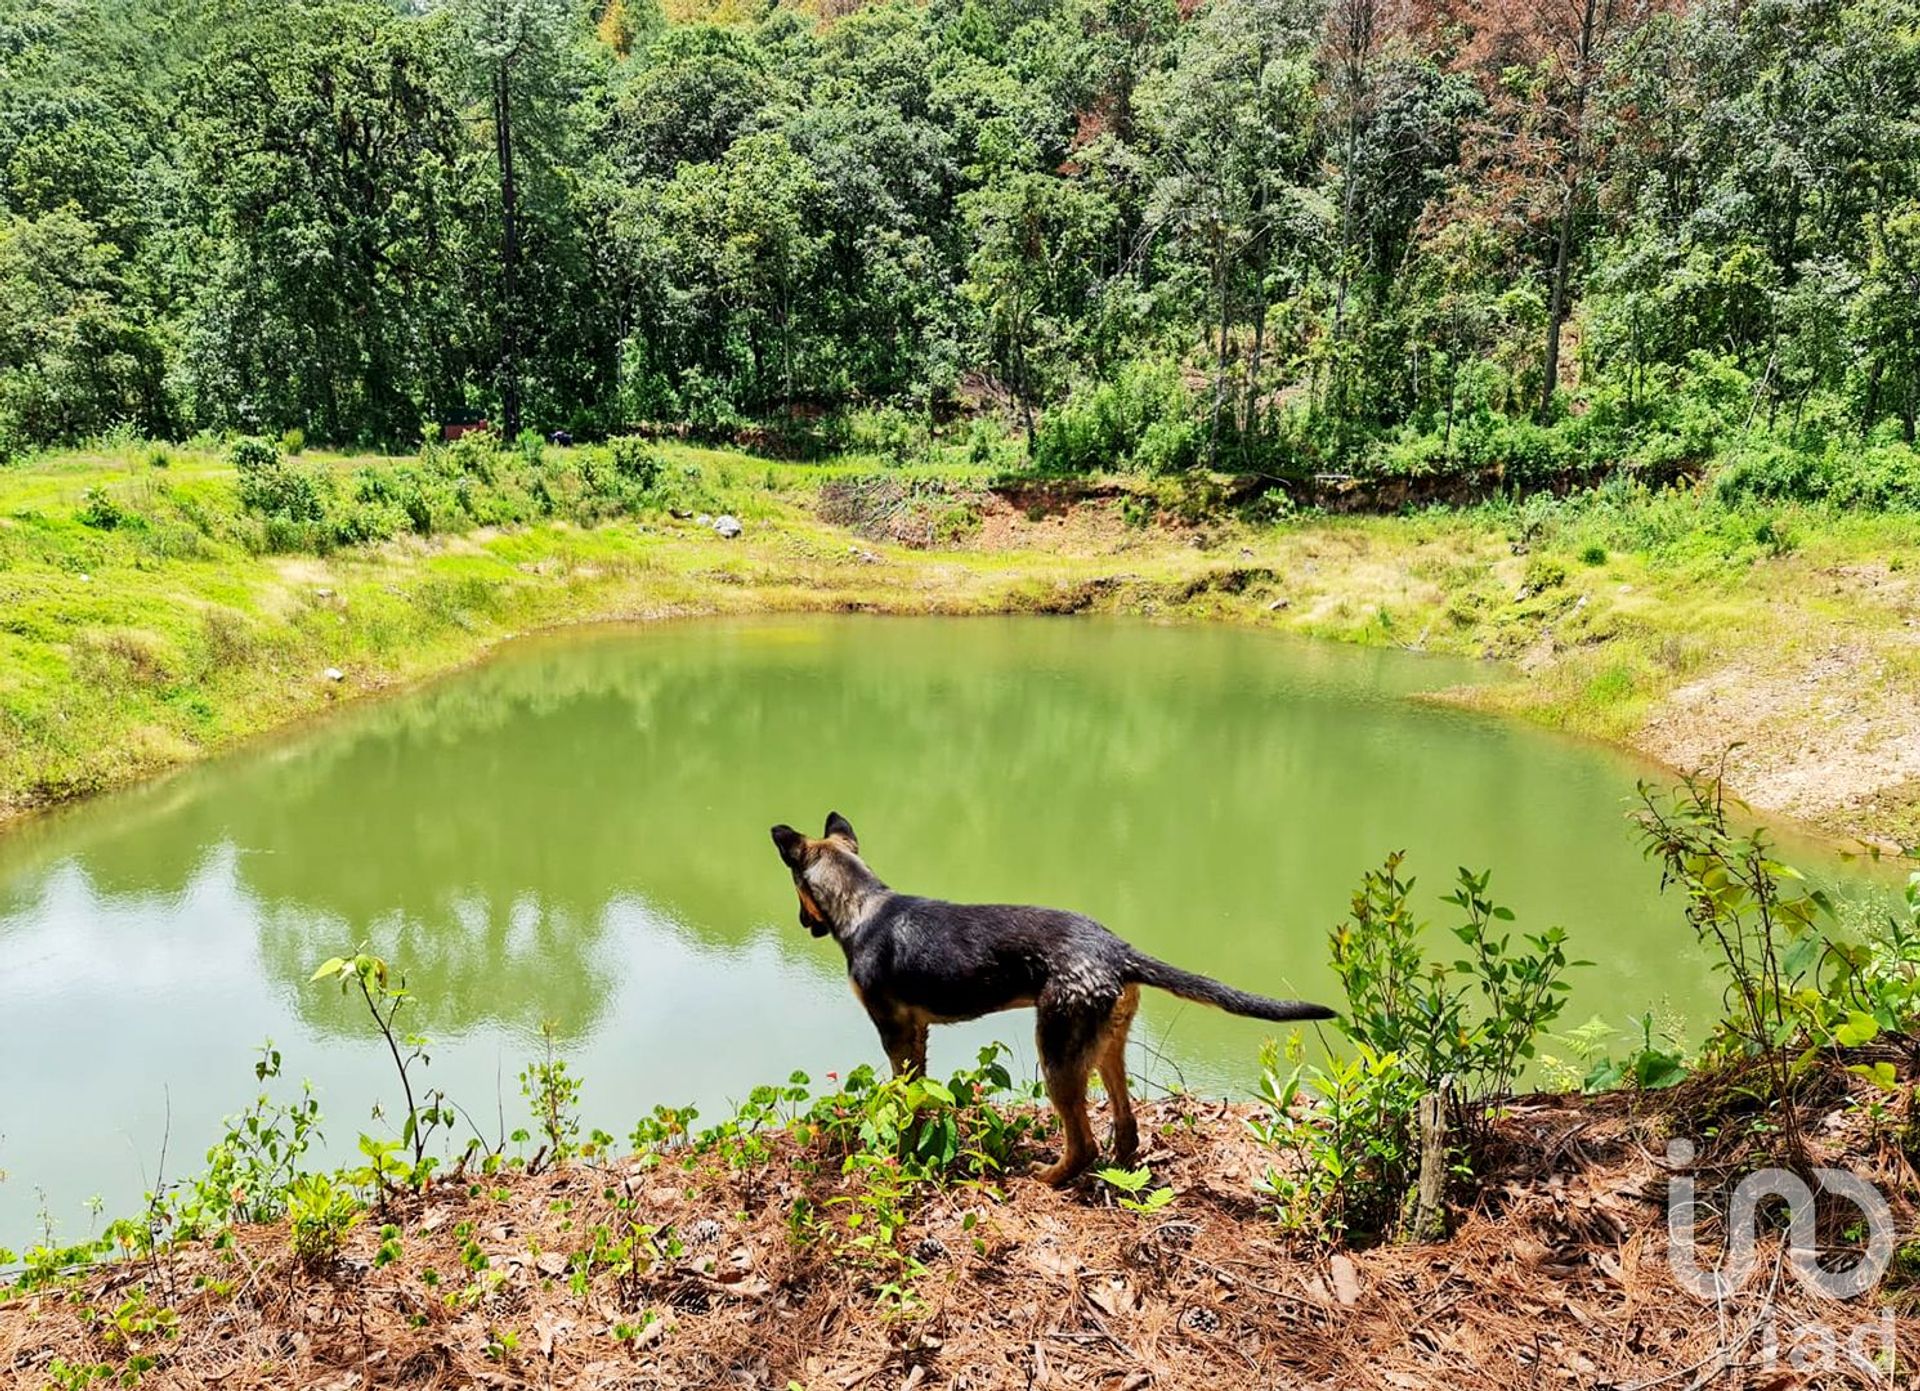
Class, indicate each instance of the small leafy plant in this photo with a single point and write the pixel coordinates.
(250, 1167)
(1133, 1193)
(320, 1213)
(1422, 1011)
(1797, 984)
(900, 1140)
(1345, 1134)
(553, 1094)
(666, 1128)
(385, 994)
(1649, 1065)
(99, 511)
(629, 1248)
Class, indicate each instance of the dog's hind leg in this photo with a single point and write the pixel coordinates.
(1112, 1061)
(1068, 1036)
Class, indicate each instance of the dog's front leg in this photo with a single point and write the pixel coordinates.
(906, 1045)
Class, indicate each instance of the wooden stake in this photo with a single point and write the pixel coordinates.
(1430, 1202)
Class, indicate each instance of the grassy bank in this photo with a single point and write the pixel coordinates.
(147, 618)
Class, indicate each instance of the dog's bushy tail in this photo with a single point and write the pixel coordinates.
(1190, 986)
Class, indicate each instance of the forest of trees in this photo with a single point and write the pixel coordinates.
(1279, 235)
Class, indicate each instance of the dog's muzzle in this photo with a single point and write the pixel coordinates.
(819, 927)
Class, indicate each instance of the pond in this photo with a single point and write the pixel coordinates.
(576, 832)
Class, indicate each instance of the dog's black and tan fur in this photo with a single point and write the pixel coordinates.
(921, 961)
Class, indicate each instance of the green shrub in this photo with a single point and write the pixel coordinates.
(1544, 572)
(475, 454)
(252, 456)
(890, 433)
(988, 444)
(361, 523)
(1142, 419)
(1776, 537)
(635, 461)
(279, 536)
(706, 403)
(1169, 445)
(99, 511)
(293, 441)
(1415, 455)
(1771, 471)
(1884, 477)
(682, 489)
(531, 448)
(1350, 1129)
(250, 1167)
(1344, 1134)
(1845, 473)
(1401, 1003)
(272, 488)
(1794, 986)
(452, 488)
(320, 1213)
(1524, 450)
(402, 491)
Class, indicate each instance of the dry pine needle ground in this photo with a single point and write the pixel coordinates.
(1555, 1276)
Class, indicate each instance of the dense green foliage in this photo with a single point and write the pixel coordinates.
(1283, 235)
(1460, 1031)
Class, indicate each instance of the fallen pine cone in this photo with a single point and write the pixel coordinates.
(1201, 1320)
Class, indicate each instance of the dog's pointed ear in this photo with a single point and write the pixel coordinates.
(838, 825)
(792, 844)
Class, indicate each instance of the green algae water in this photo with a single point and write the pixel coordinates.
(576, 833)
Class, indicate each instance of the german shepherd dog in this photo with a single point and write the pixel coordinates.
(920, 961)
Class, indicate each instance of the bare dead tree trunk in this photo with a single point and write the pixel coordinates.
(1224, 277)
(1354, 25)
(1250, 424)
(1583, 63)
(509, 250)
(1557, 301)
